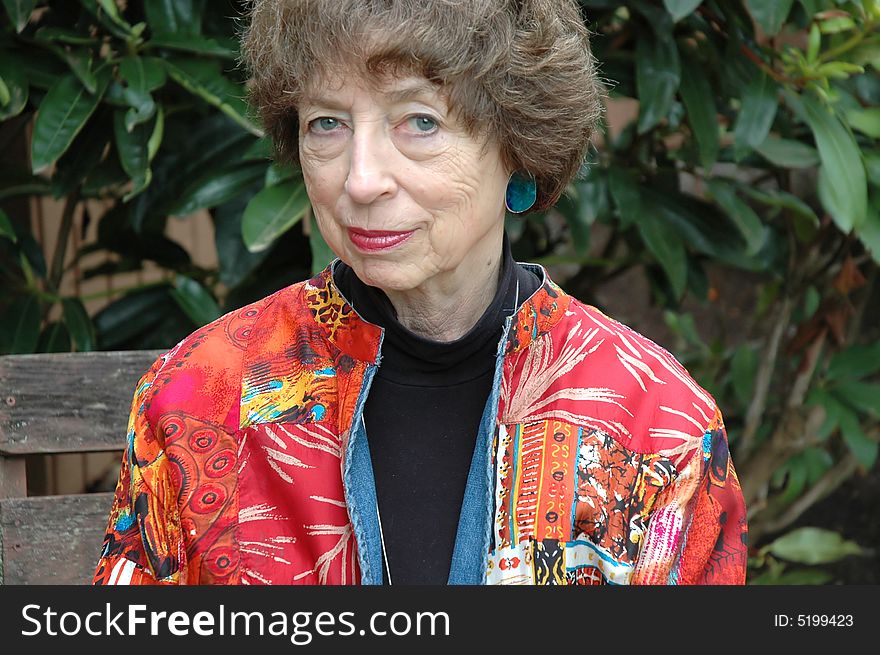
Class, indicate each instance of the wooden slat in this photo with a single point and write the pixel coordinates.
(52, 539)
(13, 477)
(68, 402)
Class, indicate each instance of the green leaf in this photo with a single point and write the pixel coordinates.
(218, 187)
(19, 12)
(63, 113)
(19, 183)
(796, 474)
(84, 153)
(817, 462)
(79, 324)
(872, 166)
(681, 8)
(743, 366)
(812, 299)
(797, 577)
(699, 101)
(211, 144)
(129, 316)
(866, 54)
(743, 216)
(6, 229)
(862, 448)
(814, 43)
(104, 178)
(54, 339)
(236, 261)
(812, 546)
(199, 45)
(277, 173)
(80, 62)
(869, 232)
(782, 200)
(579, 229)
(156, 135)
(195, 300)
(41, 68)
(787, 153)
(866, 121)
(836, 24)
(855, 362)
(182, 17)
(861, 396)
(667, 248)
(133, 153)
(627, 195)
(108, 13)
(272, 212)
(260, 149)
(5, 95)
(321, 253)
(33, 253)
(658, 74)
(696, 223)
(756, 115)
(770, 14)
(141, 75)
(592, 189)
(683, 325)
(51, 34)
(204, 78)
(14, 79)
(843, 187)
(812, 7)
(20, 327)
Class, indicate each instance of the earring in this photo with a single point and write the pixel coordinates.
(522, 192)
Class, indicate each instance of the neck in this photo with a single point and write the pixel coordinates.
(446, 309)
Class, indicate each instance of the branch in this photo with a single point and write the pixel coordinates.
(755, 413)
(760, 63)
(832, 479)
(57, 270)
(792, 433)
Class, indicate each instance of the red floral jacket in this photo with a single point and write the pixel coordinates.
(606, 463)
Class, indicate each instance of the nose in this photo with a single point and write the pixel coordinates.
(370, 175)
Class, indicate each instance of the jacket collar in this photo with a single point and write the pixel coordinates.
(360, 339)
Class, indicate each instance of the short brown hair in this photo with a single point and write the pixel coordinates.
(517, 71)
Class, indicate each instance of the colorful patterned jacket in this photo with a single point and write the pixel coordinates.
(598, 460)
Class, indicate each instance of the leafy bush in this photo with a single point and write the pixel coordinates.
(753, 161)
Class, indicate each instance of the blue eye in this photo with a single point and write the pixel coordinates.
(422, 124)
(324, 124)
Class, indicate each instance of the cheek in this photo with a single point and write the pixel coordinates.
(320, 182)
(452, 185)
(472, 180)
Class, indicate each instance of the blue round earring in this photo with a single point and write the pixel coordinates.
(522, 192)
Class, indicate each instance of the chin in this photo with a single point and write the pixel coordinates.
(385, 275)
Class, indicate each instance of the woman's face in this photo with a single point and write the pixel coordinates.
(401, 192)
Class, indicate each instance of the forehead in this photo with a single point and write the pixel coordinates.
(336, 86)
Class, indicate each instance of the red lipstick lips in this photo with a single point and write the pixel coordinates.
(377, 240)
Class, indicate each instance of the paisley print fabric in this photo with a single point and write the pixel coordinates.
(610, 464)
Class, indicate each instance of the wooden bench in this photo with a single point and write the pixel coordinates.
(52, 404)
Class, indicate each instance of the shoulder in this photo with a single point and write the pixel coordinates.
(201, 376)
(597, 372)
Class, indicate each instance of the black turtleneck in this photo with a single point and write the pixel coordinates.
(422, 416)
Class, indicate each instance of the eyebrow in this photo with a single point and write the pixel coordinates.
(411, 91)
(402, 94)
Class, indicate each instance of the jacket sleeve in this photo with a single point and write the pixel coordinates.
(143, 543)
(697, 533)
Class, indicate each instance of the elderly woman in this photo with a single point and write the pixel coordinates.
(425, 410)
